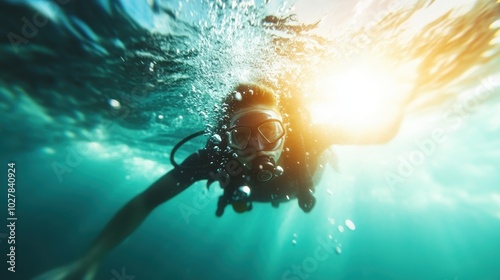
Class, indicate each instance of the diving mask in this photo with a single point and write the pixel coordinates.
(265, 125)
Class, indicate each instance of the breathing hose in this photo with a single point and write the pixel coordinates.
(182, 142)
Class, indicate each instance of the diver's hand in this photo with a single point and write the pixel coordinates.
(77, 270)
(306, 201)
(305, 194)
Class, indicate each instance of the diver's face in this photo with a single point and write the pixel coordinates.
(256, 131)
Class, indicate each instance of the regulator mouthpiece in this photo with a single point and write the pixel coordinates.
(263, 168)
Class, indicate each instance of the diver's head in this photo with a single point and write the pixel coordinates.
(255, 129)
(254, 132)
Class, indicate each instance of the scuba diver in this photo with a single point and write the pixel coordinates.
(263, 150)
(251, 154)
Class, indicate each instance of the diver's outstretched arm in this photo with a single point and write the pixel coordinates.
(120, 226)
(134, 213)
(326, 135)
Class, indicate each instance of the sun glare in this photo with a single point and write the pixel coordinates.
(361, 95)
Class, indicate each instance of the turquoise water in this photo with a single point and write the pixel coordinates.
(96, 94)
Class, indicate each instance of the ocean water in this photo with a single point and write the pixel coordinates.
(94, 95)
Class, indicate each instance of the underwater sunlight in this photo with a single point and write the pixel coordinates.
(375, 147)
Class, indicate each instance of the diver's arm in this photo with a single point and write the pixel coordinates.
(133, 214)
(343, 134)
(328, 135)
(121, 225)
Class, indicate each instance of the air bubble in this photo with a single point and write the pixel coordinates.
(216, 139)
(237, 96)
(340, 228)
(114, 103)
(350, 225)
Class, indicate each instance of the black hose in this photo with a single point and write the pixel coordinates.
(182, 142)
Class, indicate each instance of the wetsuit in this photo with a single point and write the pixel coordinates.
(299, 162)
(295, 182)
